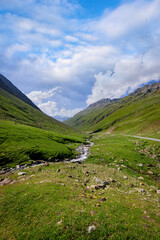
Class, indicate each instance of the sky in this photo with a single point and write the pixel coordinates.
(67, 54)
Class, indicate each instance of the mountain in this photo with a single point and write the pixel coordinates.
(6, 85)
(136, 113)
(27, 134)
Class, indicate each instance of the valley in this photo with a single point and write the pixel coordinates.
(108, 189)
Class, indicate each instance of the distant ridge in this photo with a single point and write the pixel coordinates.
(6, 85)
(137, 113)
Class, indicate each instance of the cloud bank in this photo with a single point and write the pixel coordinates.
(64, 61)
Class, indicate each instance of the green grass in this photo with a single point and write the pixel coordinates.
(19, 144)
(134, 114)
(32, 207)
(127, 153)
(14, 109)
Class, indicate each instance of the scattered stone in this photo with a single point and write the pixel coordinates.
(70, 176)
(125, 177)
(141, 184)
(18, 166)
(58, 170)
(100, 186)
(91, 228)
(46, 164)
(131, 185)
(158, 191)
(141, 190)
(140, 178)
(119, 169)
(92, 213)
(86, 181)
(140, 164)
(14, 181)
(150, 165)
(102, 199)
(142, 171)
(150, 173)
(98, 205)
(86, 172)
(5, 181)
(112, 180)
(21, 173)
(59, 223)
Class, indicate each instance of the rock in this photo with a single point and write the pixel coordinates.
(150, 173)
(86, 172)
(59, 223)
(140, 178)
(118, 169)
(21, 173)
(141, 190)
(98, 186)
(140, 164)
(125, 177)
(14, 181)
(86, 181)
(112, 180)
(70, 176)
(141, 184)
(58, 170)
(158, 191)
(102, 199)
(150, 165)
(5, 181)
(91, 228)
(18, 166)
(46, 164)
(98, 180)
(92, 213)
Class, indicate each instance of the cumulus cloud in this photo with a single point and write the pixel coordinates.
(49, 107)
(129, 73)
(38, 96)
(45, 44)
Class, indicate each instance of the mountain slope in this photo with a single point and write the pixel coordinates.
(6, 85)
(136, 113)
(28, 134)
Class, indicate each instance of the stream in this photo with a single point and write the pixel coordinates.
(83, 151)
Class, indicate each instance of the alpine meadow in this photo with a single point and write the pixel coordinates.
(79, 120)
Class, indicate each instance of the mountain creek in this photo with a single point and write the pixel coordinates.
(83, 152)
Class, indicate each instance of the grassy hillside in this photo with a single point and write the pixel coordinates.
(137, 113)
(6, 85)
(27, 134)
(63, 201)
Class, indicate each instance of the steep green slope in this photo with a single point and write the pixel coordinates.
(6, 85)
(14, 109)
(27, 134)
(137, 113)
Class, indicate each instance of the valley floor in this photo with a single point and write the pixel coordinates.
(113, 195)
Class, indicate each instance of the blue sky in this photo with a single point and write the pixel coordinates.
(67, 54)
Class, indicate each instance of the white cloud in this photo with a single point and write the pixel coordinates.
(67, 113)
(48, 107)
(38, 96)
(45, 44)
(128, 74)
(17, 48)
